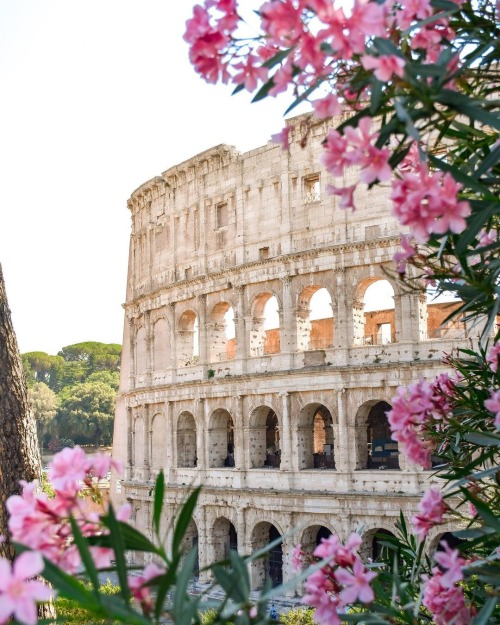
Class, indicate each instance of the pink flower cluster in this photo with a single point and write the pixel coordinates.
(138, 586)
(441, 595)
(343, 580)
(427, 203)
(431, 510)
(19, 593)
(492, 356)
(493, 405)
(415, 409)
(43, 524)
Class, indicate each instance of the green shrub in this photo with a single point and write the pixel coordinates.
(67, 610)
(298, 616)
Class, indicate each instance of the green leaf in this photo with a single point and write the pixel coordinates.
(277, 58)
(405, 117)
(84, 551)
(166, 583)
(133, 539)
(69, 586)
(184, 606)
(386, 47)
(238, 89)
(490, 161)
(483, 439)
(483, 510)
(229, 582)
(118, 546)
(263, 91)
(467, 106)
(158, 501)
(184, 519)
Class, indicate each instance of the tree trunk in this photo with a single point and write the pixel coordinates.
(19, 455)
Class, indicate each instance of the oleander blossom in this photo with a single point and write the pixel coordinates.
(493, 405)
(441, 595)
(431, 511)
(343, 580)
(139, 588)
(42, 523)
(416, 409)
(492, 356)
(19, 593)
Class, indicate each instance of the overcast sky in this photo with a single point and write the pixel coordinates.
(97, 97)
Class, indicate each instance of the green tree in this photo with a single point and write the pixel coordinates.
(42, 367)
(96, 356)
(44, 403)
(112, 378)
(87, 411)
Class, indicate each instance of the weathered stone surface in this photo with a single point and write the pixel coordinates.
(219, 236)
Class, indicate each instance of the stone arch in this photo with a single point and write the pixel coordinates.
(372, 543)
(375, 320)
(375, 448)
(270, 568)
(452, 541)
(221, 450)
(225, 538)
(312, 536)
(439, 307)
(315, 323)
(186, 440)
(187, 335)
(191, 541)
(315, 438)
(264, 438)
(158, 441)
(265, 331)
(222, 333)
(139, 442)
(141, 351)
(161, 344)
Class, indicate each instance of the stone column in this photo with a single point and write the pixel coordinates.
(343, 442)
(147, 442)
(173, 343)
(201, 426)
(171, 443)
(286, 438)
(240, 442)
(240, 328)
(130, 442)
(241, 531)
(132, 356)
(288, 330)
(342, 338)
(203, 542)
(203, 331)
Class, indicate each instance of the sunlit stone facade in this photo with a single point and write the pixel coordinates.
(230, 379)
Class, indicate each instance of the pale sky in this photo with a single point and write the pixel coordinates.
(97, 97)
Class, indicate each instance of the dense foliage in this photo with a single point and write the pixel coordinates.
(72, 394)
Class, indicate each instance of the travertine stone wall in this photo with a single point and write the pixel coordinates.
(216, 238)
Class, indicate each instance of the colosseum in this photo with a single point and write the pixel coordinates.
(264, 338)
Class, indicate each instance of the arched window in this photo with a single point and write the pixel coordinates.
(161, 345)
(186, 441)
(372, 546)
(270, 568)
(222, 333)
(315, 325)
(187, 339)
(439, 308)
(312, 537)
(221, 440)
(315, 438)
(374, 316)
(264, 438)
(375, 448)
(158, 442)
(265, 333)
(141, 359)
(225, 539)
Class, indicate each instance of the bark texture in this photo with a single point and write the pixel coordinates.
(19, 454)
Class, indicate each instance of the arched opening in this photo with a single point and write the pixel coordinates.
(159, 442)
(372, 547)
(315, 324)
(312, 537)
(138, 443)
(222, 333)
(439, 307)
(161, 345)
(382, 450)
(264, 438)
(141, 352)
(187, 339)
(225, 539)
(186, 441)
(315, 438)
(374, 315)
(270, 568)
(450, 539)
(221, 440)
(189, 542)
(265, 333)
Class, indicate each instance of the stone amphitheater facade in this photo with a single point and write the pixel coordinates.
(284, 427)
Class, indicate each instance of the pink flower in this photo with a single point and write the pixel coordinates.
(450, 560)
(385, 66)
(432, 508)
(18, 593)
(283, 138)
(357, 583)
(328, 106)
(406, 253)
(297, 555)
(447, 605)
(318, 588)
(492, 357)
(250, 73)
(140, 591)
(493, 405)
(68, 469)
(346, 195)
